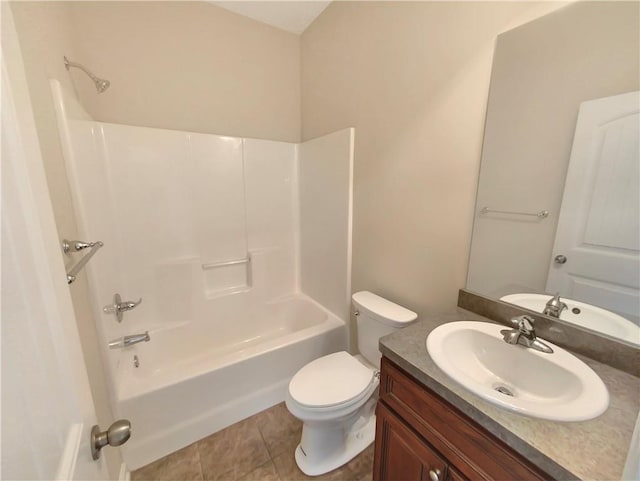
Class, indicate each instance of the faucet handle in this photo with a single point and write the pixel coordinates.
(555, 301)
(118, 306)
(128, 305)
(524, 323)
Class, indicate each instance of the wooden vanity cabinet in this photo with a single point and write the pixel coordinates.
(421, 437)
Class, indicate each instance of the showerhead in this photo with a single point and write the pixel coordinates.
(101, 84)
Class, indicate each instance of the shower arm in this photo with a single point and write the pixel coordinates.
(68, 64)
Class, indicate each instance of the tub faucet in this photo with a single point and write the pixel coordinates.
(126, 341)
(554, 307)
(524, 334)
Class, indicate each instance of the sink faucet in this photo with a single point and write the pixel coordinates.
(554, 307)
(126, 341)
(524, 334)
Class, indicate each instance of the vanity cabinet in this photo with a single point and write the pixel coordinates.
(421, 437)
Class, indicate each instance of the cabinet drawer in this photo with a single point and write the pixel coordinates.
(475, 452)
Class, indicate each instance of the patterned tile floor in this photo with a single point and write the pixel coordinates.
(259, 448)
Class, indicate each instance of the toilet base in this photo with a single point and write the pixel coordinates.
(357, 440)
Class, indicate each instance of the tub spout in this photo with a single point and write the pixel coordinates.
(126, 341)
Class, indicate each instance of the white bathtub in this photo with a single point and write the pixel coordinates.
(197, 378)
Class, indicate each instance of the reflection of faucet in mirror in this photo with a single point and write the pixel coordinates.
(554, 307)
(564, 99)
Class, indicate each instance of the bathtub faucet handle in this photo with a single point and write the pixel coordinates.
(128, 305)
(118, 306)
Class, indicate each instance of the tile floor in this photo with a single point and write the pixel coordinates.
(259, 448)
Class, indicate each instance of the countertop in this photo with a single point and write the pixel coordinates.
(589, 450)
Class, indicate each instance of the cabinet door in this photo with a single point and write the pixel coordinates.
(401, 455)
(475, 452)
(453, 475)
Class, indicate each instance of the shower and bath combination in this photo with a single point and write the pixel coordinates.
(227, 334)
(101, 84)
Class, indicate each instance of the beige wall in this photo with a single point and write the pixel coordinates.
(46, 34)
(189, 66)
(412, 78)
(542, 72)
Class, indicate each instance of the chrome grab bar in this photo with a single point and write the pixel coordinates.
(543, 214)
(75, 246)
(213, 265)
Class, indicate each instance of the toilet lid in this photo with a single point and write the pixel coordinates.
(330, 380)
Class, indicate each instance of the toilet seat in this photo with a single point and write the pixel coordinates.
(337, 379)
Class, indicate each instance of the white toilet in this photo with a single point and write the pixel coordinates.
(335, 396)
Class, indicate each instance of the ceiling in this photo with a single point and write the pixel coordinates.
(293, 16)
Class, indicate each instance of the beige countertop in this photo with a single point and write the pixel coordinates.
(589, 450)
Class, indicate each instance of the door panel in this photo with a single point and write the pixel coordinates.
(47, 408)
(599, 223)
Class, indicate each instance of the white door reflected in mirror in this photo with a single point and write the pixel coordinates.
(599, 225)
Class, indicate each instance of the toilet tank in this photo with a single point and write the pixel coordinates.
(377, 317)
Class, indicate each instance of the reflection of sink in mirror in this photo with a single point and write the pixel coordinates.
(556, 386)
(582, 314)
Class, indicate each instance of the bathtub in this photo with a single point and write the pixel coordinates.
(196, 378)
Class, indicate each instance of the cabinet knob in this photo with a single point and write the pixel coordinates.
(434, 474)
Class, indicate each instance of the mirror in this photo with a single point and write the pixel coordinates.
(563, 112)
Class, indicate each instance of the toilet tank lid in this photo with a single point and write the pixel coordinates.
(385, 311)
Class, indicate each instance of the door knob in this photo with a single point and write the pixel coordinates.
(560, 259)
(117, 434)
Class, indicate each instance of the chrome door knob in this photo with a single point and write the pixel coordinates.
(117, 434)
(434, 474)
(560, 259)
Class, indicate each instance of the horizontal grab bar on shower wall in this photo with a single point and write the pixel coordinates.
(213, 265)
(75, 246)
(543, 214)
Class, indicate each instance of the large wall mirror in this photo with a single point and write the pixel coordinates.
(558, 205)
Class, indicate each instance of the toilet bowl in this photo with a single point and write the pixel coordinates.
(335, 395)
(328, 396)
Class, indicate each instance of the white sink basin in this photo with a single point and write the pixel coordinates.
(581, 314)
(556, 386)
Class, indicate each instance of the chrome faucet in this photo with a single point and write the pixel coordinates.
(127, 341)
(119, 308)
(524, 334)
(554, 307)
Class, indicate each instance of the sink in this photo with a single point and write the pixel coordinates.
(556, 386)
(582, 314)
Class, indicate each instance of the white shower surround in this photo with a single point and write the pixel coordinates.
(224, 341)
